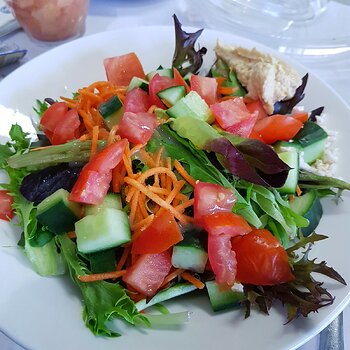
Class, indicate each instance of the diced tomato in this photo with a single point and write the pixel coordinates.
(206, 87)
(137, 100)
(222, 258)
(233, 116)
(255, 135)
(179, 80)
(226, 223)
(137, 127)
(159, 236)
(277, 127)
(60, 124)
(157, 84)
(257, 107)
(300, 115)
(121, 69)
(261, 259)
(6, 201)
(94, 179)
(211, 198)
(148, 272)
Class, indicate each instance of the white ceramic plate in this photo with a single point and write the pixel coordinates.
(45, 313)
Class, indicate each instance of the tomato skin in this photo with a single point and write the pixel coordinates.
(261, 259)
(206, 87)
(277, 127)
(94, 180)
(148, 272)
(233, 116)
(6, 201)
(257, 107)
(160, 235)
(222, 259)
(226, 223)
(211, 198)
(179, 80)
(59, 124)
(136, 100)
(157, 84)
(137, 127)
(121, 69)
(300, 115)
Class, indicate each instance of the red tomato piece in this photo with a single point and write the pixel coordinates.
(257, 107)
(211, 198)
(300, 115)
(179, 80)
(60, 124)
(6, 201)
(222, 259)
(137, 127)
(148, 272)
(157, 84)
(261, 259)
(136, 100)
(277, 127)
(94, 180)
(159, 236)
(121, 69)
(233, 115)
(206, 87)
(226, 223)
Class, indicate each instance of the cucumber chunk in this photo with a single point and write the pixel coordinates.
(137, 82)
(111, 111)
(223, 299)
(312, 138)
(106, 229)
(309, 206)
(172, 94)
(103, 261)
(163, 72)
(58, 213)
(112, 200)
(190, 253)
(192, 105)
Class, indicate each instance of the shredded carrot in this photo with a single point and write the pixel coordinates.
(85, 137)
(141, 225)
(171, 276)
(227, 90)
(181, 170)
(298, 191)
(124, 257)
(229, 97)
(142, 206)
(94, 142)
(133, 207)
(101, 276)
(136, 148)
(181, 207)
(151, 109)
(71, 235)
(112, 134)
(195, 281)
(177, 187)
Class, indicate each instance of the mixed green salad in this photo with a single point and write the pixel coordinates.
(144, 187)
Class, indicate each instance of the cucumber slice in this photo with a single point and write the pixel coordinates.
(112, 200)
(111, 111)
(58, 213)
(312, 138)
(109, 228)
(309, 206)
(190, 253)
(192, 105)
(166, 294)
(103, 261)
(137, 82)
(223, 299)
(163, 72)
(172, 94)
(187, 78)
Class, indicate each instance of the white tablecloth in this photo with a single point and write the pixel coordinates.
(112, 14)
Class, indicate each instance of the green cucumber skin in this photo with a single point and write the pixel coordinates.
(189, 258)
(172, 94)
(112, 200)
(290, 157)
(111, 111)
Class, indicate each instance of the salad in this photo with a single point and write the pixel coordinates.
(145, 187)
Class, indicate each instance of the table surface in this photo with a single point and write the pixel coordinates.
(112, 14)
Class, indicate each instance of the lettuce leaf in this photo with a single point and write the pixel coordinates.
(103, 301)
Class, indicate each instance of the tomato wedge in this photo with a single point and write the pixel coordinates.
(179, 80)
(121, 69)
(206, 87)
(94, 180)
(6, 201)
(148, 272)
(257, 107)
(137, 100)
(261, 259)
(277, 127)
(211, 198)
(159, 236)
(137, 127)
(226, 223)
